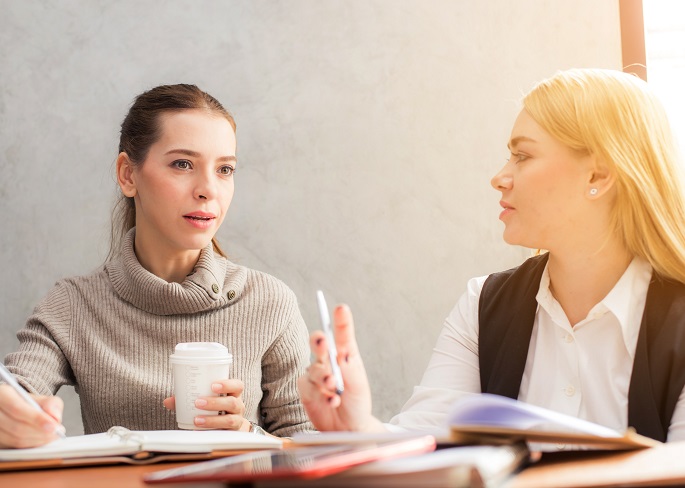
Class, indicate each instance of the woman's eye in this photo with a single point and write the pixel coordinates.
(517, 158)
(182, 164)
(226, 170)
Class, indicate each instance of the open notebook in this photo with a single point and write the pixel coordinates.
(488, 419)
(120, 445)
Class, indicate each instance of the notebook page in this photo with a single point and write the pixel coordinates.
(497, 411)
(91, 445)
(188, 441)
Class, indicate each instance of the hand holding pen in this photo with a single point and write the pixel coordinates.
(320, 388)
(32, 425)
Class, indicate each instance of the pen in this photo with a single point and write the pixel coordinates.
(8, 378)
(332, 351)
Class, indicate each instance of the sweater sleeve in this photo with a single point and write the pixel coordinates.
(284, 362)
(40, 364)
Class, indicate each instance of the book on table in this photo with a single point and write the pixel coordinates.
(661, 465)
(120, 445)
(298, 465)
(492, 419)
(456, 467)
(343, 459)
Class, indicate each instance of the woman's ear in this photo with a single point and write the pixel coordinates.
(601, 179)
(125, 175)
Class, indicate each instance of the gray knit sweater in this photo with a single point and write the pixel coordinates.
(110, 334)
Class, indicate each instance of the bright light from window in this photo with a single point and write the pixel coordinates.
(665, 49)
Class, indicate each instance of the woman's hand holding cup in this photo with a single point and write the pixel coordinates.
(227, 409)
(200, 371)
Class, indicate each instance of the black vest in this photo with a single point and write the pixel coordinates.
(506, 313)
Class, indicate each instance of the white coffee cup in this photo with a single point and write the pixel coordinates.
(195, 366)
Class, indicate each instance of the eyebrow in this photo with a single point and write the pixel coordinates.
(193, 154)
(516, 140)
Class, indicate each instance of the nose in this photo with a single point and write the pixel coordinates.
(205, 186)
(503, 180)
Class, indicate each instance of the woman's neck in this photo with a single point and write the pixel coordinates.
(580, 280)
(171, 266)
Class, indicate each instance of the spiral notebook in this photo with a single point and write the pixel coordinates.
(120, 445)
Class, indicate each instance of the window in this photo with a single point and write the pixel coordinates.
(664, 27)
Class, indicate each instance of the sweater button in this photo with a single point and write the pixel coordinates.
(231, 294)
(215, 288)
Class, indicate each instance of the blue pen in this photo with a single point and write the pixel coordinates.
(8, 378)
(332, 350)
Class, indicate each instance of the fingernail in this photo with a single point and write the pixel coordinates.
(200, 402)
(318, 341)
(216, 387)
(199, 421)
(48, 427)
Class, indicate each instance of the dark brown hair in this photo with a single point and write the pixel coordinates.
(141, 129)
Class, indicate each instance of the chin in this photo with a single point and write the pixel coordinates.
(510, 238)
(517, 240)
(197, 243)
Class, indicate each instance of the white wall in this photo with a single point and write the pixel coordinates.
(368, 132)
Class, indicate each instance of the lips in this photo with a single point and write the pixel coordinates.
(200, 216)
(507, 209)
(505, 205)
(200, 220)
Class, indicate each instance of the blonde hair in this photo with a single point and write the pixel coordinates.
(615, 116)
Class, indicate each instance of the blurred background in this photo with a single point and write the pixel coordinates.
(368, 132)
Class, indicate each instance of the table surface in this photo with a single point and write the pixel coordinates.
(91, 476)
(657, 466)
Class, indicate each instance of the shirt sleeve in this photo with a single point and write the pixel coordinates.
(453, 369)
(40, 365)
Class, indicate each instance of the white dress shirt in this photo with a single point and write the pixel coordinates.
(583, 371)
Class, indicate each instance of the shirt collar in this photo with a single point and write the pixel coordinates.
(626, 300)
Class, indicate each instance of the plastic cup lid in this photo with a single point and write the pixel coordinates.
(203, 349)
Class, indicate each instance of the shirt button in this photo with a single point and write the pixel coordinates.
(568, 338)
(215, 288)
(570, 390)
(231, 294)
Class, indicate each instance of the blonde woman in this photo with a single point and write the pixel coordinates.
(595, 326)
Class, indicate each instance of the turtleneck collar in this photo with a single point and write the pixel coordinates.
(213, 283)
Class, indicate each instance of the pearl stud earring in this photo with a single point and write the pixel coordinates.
(593, 191)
